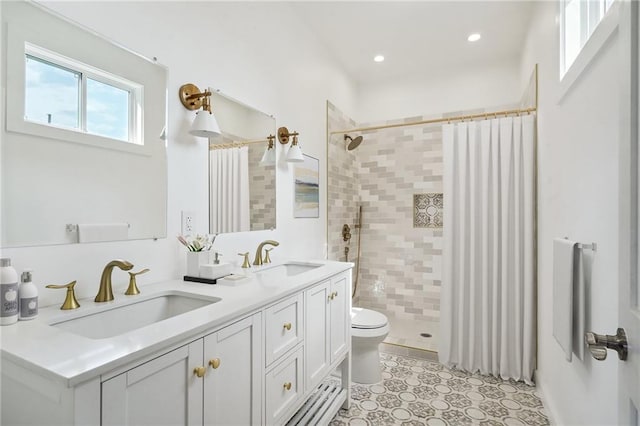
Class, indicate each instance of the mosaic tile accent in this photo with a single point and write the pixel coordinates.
(427, 210)
(416, 392)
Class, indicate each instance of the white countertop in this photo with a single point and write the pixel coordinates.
(72, 359)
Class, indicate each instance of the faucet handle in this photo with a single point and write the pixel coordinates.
(267, 259)
(246, 263)
(133, 285)
(70, 301)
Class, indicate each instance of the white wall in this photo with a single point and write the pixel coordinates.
(577, 198)
(440, 91)
(255, 52)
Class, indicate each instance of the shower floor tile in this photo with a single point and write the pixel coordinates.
(406, 332)
(416, 392)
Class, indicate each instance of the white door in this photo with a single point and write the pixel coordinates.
(163, 391)
(233, 382)
(629, 290)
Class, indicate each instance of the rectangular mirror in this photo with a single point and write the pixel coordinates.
(242, 189)
(83, 155)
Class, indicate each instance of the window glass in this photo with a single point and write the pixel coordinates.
(572, 32)
(579, 20)
(107, 110)
(51, 94)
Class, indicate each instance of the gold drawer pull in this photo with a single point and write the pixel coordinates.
(199, 371)
(287, 386)
(287, 325)
(214, 363)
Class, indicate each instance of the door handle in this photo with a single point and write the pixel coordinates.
(598, 344)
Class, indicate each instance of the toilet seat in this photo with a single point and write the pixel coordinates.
(367, 319)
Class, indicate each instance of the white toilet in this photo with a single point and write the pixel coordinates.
(368, 330)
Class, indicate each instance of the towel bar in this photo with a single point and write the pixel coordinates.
(592, 246)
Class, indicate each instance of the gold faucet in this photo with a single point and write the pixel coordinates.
(70, 301)
(105, 293)
(258, 259)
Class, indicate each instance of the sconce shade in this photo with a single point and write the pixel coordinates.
(269, 157)
(205, 125)
(294, 155)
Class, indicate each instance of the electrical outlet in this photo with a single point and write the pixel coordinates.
(188, 222)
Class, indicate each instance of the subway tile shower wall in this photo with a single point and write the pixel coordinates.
(262, 187)
(400, 265)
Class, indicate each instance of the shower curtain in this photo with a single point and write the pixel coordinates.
(229, 190)
(488, 290)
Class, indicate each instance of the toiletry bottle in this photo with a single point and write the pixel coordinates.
(8, 293)
(28, 294)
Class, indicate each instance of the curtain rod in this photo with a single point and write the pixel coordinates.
(235, 144)
(484, 115)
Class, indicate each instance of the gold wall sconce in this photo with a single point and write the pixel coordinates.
(269, 156)
(205, 124)
(294, 155)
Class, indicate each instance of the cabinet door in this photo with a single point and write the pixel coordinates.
(163, 391)
(340, 315)
(317, 358)
(233, 383)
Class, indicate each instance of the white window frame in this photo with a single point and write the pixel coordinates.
(22, 40)
(591, 43)
(134, 134)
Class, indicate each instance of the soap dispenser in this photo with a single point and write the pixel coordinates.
(28, 295)
(8, 293)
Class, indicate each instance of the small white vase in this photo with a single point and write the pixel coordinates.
(194, 260)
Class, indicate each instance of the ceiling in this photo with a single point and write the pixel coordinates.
(416, 37)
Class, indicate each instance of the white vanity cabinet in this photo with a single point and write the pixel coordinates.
(260, 359)
(327, 317)
(169, 389)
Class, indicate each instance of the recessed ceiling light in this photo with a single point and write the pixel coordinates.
(474, 37)
(378, 58)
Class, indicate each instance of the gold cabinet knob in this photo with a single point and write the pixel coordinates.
(331, 296)
(335, 294)
(199, 371)
(287, 386)
(214, 363)
(287, 325)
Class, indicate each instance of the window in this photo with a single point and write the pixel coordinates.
(579, 18)
(64, 93)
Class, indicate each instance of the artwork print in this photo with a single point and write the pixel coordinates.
(307, 194)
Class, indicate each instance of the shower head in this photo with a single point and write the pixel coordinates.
(353, 142)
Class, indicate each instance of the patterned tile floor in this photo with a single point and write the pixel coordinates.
(417, 391)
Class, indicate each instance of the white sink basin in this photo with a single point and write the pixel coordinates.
(125, 318)
(286, 270)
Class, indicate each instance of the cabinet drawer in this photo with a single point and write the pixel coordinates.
(283, 327)
(283, 387)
